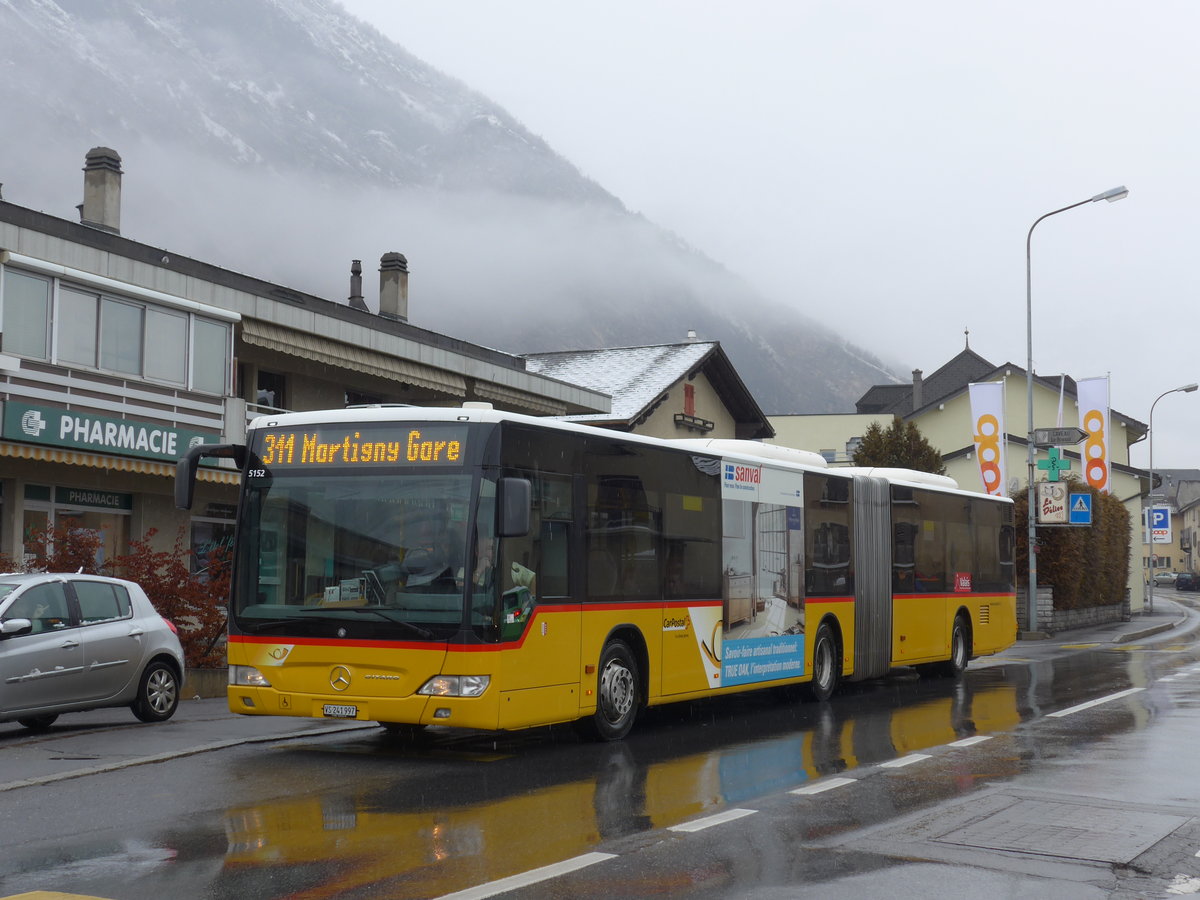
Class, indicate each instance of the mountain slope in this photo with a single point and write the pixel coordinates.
(284, 138)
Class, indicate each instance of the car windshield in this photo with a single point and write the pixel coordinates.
(356, 555)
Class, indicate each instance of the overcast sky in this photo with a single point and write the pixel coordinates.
(879, 164)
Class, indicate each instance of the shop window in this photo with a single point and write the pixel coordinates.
(212, 544)
(26, 314)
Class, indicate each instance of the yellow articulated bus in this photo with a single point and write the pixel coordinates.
(481, 569)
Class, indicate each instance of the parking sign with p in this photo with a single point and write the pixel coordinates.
(1160, 525)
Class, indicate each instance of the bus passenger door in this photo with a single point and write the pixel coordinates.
(541, 618)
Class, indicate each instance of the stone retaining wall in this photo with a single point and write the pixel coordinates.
(1052, 621)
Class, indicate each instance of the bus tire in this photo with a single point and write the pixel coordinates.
(826, 667)
(616, 694)
(960, 649)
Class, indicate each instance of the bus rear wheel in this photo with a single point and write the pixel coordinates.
(825, 666)
(616, 694)
(960, 649)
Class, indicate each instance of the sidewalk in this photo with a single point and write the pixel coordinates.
(103, 740)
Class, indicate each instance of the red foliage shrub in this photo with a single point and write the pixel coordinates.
(194, 601)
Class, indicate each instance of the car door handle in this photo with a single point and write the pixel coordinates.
(136, 632)
(70, 645)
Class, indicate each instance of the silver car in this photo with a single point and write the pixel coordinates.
(75, 642)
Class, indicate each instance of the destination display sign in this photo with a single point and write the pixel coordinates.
(341, 446)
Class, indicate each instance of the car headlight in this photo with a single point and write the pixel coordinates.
(247, 676)
(455, 685)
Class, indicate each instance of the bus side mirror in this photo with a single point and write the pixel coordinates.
(185, 469)
(513, 497)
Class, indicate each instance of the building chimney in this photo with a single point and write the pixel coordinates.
(356, 297)
(916, 397)
(101, 207)
(393, 286)
(692, 336)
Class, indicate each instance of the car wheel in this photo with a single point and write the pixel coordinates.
(158, 693)
(825, 667)
(38, 723)
(617, 693)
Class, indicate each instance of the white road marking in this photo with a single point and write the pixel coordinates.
(708, 822)
(1091, 703)
(971, 741)
(525, 879)
(827, 785)
(904, 761)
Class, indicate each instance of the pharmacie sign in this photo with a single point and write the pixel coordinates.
(82, 431)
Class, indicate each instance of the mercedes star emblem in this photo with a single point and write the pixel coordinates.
(339, 678)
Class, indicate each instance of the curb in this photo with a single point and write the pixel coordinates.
(175, 754)
(1146, 632)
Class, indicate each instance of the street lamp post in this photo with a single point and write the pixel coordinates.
(1111, 195)
(1186, 389)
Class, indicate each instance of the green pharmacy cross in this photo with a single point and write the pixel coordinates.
(1054, 464)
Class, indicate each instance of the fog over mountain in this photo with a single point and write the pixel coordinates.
(284, 138)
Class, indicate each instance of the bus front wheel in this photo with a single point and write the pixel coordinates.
(616, 694)
(824, 665)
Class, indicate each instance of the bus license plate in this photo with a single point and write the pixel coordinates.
(340, 712)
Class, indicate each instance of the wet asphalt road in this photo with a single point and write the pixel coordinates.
(1014, 782)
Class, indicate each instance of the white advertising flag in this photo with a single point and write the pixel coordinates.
(987, 418)
(1093, 419)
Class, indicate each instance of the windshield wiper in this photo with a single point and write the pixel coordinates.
(416, 629)
(274, 624)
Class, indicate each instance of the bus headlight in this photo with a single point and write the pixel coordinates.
(455, 685)
(247, 676)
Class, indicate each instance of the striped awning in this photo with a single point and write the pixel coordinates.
(347, 356)
(115, 463)
(518, 399)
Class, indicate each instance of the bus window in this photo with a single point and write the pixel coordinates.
(537, 562)
(828, 549)
(624, 528)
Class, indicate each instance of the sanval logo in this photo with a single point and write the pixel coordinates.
(743, 474)
(1095, 453)
(987, 443)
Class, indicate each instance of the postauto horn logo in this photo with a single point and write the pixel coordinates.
(742, 478)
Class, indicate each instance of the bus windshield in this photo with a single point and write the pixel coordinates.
(359, 554)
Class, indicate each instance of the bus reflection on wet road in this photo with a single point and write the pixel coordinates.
(428, 839)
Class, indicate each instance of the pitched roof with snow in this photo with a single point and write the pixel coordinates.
(637, 377)
(633, 376)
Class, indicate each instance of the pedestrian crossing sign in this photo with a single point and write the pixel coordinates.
(1080, 506)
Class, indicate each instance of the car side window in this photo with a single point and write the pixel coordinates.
(43, 604)
(100, 602)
